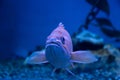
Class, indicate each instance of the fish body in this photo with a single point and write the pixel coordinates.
(59, 47)
(59, 51)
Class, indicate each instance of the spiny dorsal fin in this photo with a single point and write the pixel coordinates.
(61, 25)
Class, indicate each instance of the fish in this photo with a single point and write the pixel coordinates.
(59, 52)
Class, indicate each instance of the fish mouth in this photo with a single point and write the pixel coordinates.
(53, 43)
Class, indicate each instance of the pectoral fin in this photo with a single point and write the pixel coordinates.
(83, 57)
(37, 57)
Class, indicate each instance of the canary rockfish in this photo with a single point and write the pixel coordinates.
(59, 51)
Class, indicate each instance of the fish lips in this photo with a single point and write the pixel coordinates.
(53, 44)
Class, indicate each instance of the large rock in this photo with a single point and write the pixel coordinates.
(87, 40)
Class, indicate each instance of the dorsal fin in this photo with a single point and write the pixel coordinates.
(61, 25)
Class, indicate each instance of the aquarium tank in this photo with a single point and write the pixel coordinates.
(59, 39)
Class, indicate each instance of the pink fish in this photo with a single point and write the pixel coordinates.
(59, 51)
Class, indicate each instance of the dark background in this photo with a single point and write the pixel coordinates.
(25, 24)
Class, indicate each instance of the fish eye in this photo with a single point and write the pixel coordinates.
(63, 40)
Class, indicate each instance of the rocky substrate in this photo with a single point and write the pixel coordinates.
(16, 70)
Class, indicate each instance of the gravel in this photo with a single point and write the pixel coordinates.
(15, 70)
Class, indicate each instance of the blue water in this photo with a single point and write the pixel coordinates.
(24, 24)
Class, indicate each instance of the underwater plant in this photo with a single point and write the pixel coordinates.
(104, 24)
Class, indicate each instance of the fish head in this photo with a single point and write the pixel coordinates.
(57, 36)
(55, 40)
(60, 37)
